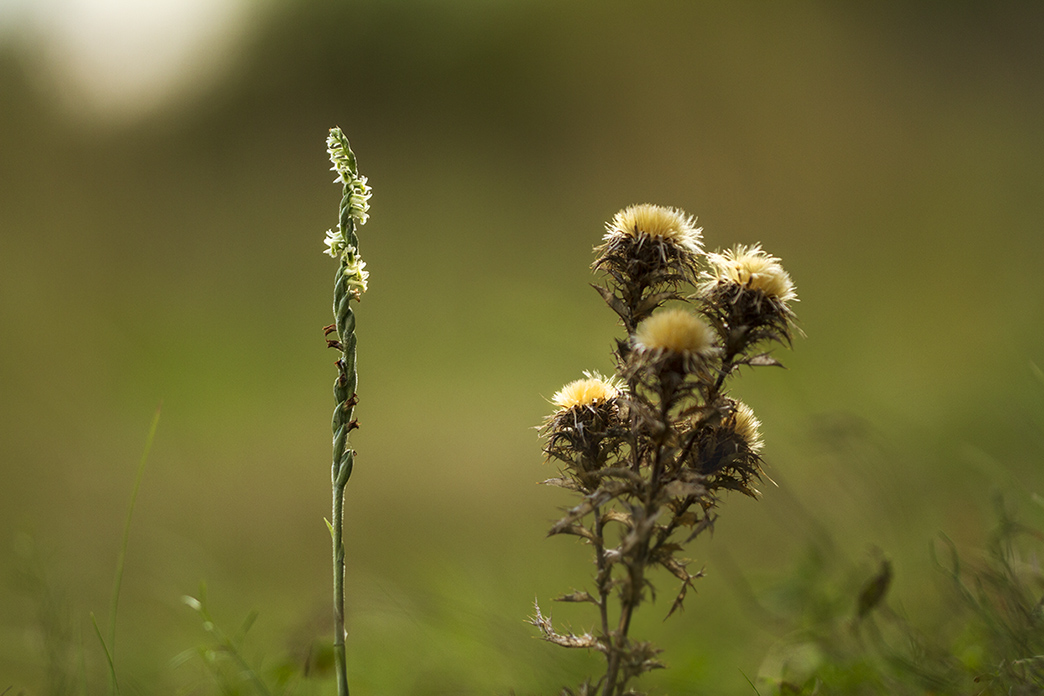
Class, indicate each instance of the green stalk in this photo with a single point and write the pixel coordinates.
(340, 658)
(349, 284)
(343, 461)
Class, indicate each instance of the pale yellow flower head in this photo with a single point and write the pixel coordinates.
(676, 330)
(748, 427)
(752, 268)
(593, 389)
(659, 222)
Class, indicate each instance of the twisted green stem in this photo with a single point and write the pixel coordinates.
(343, 458)
(349, 282)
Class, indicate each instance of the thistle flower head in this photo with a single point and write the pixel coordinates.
(676, 331)
(726, 449)
(585, 429)
(751, 268)
(748, 427)
(669, 225)
(592, 390)
(648, 251)
(748, 293)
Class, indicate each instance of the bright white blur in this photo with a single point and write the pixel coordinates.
(120, 59)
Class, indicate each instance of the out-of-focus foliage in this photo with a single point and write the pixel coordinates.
(892, 154)
(990, 640)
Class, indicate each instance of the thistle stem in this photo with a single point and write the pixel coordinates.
(603, 571)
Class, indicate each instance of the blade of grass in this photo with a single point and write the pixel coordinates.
(108, 655)
(750, 682)
(228, 644)
(110, 649)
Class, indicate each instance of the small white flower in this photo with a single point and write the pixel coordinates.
(355, 274)
(344, 163)
(341, 156)
(335, 244)
(359, 200)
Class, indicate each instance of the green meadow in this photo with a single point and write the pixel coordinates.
(891, 155)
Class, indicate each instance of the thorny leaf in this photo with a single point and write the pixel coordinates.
(690, 476)
(574, 529)
(562, 482)
(614, 302)
(614, 515)
(668, 548)
(679, 569)
(585, 689)
(706, 523)
(606, 492)
(577, 596)
(619, 475)
(640, 658)
(687, 519)
(568, 640)
(679, 601)
(762, 360)
(676, 567)
(682, 489)
(654, 300)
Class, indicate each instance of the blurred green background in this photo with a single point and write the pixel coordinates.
(167, 247)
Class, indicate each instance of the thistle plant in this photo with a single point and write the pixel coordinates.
(649, 450)
(349, 285)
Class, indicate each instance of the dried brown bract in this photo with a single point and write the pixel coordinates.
(725, 453)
